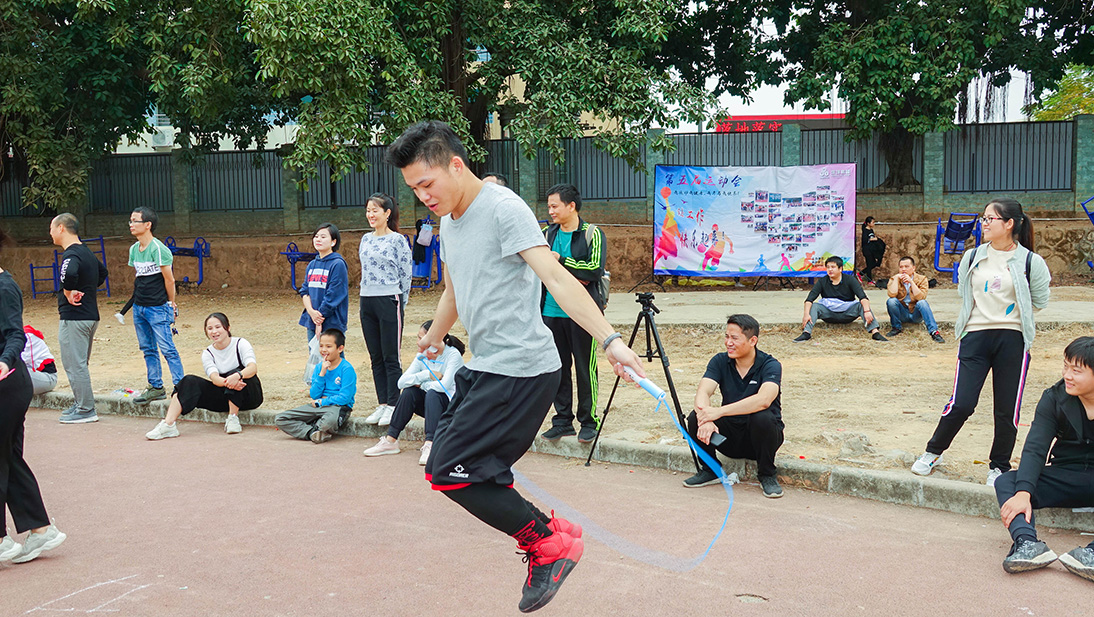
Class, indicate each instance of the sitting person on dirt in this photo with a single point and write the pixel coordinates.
(749, 421)
(1065, 414)
(39, 361)
(333, 389)
(907, 301)
(426, 386)
(837, 299)
(233, 383)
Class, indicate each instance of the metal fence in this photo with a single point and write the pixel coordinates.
(597, 174)
(231, 181)
(354, 188)
(503, 157)
(736, 149)
(121, 183)
(1021, 156)
(827, 146)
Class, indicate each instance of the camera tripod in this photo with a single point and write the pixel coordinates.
(645, 319)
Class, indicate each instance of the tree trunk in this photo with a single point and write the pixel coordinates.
(457, 79)
(896, 146)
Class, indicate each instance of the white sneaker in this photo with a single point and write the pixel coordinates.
(425, 453)
(375, 416)
(231, 425)
(163, 430)
(9, 549)
(383, 447)
(925, 464)
(386, 418)
(120, 318)
(992, 475)
(35, 543)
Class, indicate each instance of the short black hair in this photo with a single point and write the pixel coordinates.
(503, 180)
(332, 229)
(907, 257)
(834, 259)
(338, 336)
(432, 142)
(69, 222)
(147, 216)
(747, 323)
(1081, 351)
(567, 193)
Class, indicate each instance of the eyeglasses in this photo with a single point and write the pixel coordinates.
(987, 220)
(137, 222)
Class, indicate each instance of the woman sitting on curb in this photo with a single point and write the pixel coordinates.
(39, 361)
(232, 385)
(426, 385)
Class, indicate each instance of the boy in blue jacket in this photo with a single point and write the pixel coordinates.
(333, 388)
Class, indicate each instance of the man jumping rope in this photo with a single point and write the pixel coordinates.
(495, 257)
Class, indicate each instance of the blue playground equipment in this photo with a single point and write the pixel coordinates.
(424, 271)
(954, 239)
(50, 283)
(200, 250)
(294, 254)
(1089, 215)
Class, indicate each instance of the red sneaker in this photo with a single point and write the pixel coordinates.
(560, 524)
(550, 561)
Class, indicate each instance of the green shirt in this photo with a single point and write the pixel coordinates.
(562, 247)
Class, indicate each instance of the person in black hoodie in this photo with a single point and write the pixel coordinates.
(580, 248)
(19, 490)
(1065, 414)
(873, 249)
(81, 275)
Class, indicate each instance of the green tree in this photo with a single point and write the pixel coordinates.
(902, 66)
(1074, 95)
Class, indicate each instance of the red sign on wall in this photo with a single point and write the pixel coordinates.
(769, 124)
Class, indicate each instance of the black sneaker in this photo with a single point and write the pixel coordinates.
(587, 434)
(558, 432)
(877, 337)
(894, 332)
(936, 337)
(804, 336)
(550, 561)
(706, 477)
(1080, 562)
(770, 485)
(1026, 555)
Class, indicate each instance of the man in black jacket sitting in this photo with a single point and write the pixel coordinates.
(837, 299)
(1065, 413)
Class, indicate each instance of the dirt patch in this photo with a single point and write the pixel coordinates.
(846, 400)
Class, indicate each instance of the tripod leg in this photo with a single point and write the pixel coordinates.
(604, 414)
(651, 327)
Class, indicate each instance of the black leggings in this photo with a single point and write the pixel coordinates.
(1003, 353)
(194, 391)
(503, 508)
(429, 404)
(18, 487)
(382, 325)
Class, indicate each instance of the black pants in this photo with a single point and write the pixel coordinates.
(429, 404)
(1003, 353)
(194, 391)
(873, 256)
(18, 487)
(576, 347)
(382, 325)
(1058, 487)
(756, 436)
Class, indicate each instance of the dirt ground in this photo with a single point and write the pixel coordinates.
(846, 400)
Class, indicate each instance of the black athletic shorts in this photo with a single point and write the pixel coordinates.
(490, 423)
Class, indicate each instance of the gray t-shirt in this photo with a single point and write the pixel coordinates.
(497, 293)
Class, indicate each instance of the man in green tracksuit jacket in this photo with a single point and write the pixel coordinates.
(580, 248)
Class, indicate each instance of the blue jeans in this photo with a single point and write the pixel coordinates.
(898, 314)
(153, 325)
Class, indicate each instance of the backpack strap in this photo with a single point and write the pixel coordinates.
(1029, 260)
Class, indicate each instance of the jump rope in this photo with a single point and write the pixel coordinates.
(617, 543)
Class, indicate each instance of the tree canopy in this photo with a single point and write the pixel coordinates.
(1074, 95)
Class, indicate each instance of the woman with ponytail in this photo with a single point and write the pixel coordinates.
(1001, 283)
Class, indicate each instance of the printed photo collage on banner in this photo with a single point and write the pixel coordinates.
(752, 221)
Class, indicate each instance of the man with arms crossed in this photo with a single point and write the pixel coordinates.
(907, 301)
(495, 258)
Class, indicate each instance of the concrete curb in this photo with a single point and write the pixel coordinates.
(897, 487)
